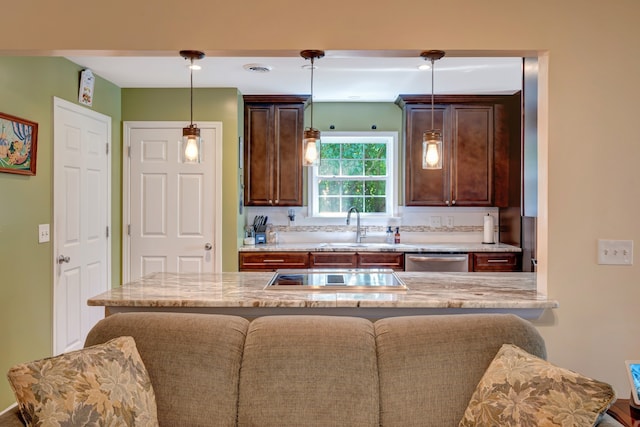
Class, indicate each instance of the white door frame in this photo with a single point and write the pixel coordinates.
(59, 103)
(126, 187)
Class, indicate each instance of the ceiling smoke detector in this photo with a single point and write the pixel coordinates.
(258, 68)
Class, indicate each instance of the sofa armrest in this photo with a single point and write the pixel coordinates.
(608, 421)
(11, 418)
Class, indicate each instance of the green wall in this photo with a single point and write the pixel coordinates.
(356, 116)
(208, 105)
(27, 88)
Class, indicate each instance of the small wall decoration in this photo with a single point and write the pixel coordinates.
(18, 138)
(85, 94)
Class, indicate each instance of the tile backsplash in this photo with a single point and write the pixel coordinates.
(417, 225)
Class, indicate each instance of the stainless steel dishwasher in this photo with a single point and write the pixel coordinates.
(436, 262)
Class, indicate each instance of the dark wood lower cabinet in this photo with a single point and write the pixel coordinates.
(272, 261)
(333, 260)
(492, 261)
(393, 260)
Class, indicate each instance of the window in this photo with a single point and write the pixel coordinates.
(356, 169)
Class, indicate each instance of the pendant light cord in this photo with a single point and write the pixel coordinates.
(312, 67)
(191, 93)
(432, 65)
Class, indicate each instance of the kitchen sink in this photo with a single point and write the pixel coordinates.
(338, 280)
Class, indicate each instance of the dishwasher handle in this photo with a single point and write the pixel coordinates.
(437, 258)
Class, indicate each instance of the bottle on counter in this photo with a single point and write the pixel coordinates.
(389, 235)
(397, 235)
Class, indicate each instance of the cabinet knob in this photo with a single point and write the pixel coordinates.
(453, 202)
(270, 202)
(277, 201)
(447, 202)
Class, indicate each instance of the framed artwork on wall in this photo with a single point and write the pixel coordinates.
(18, 142)
(85, 93)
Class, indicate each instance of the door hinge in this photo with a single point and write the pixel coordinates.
(107, 148)
(129, 151)
(107, 231)
(129, 230)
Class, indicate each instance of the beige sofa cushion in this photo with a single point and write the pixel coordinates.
(193, 361)
(309, 370)
(430, 365)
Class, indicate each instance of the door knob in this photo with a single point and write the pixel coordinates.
(62, 259)
(208, 246)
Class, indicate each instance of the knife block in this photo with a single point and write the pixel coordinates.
(261, 234)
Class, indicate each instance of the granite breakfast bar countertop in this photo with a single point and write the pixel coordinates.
(243, 294)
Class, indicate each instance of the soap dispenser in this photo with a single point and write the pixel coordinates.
(397, 235)
(389, 235)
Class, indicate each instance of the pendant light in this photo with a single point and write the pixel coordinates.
(311, 139)
(432, 139)
(190, 146)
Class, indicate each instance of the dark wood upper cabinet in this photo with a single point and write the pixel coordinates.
(477, 133)
(273, 129)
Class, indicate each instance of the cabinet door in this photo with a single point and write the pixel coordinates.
(472, 156)
(287, 164)
(258, 160)
(505, 261)
(394, 260)
(272, 261)
(333, 260)
(425, 187)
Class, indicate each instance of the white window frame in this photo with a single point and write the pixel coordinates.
(390, 138)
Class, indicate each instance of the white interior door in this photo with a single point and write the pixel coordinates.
(82, 207)
(170, 206)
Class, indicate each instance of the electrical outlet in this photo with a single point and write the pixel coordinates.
(616, 252)
(43, 233)
(449, 222)
(436, 221)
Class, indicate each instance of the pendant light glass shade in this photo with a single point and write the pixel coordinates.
(432, 139)
(311, 137)
(311, 147)
(432, 150)
(190, 146)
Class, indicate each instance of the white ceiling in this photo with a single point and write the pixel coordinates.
(337, 77)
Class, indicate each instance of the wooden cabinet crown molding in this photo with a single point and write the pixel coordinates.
(280, 99)
(403, 100)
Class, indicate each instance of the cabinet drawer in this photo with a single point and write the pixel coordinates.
(507, 261)
(394, 260)
(272, 261)
(333, 259)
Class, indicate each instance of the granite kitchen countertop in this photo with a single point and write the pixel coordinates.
(381, 247)
(478, 292)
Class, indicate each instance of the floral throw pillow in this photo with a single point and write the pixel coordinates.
(519, 389)
(106, 384)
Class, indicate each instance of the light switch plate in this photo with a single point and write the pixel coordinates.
(615, 252)
(436, 221)
(43, 233)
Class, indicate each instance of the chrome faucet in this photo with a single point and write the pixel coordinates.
(359, 234)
